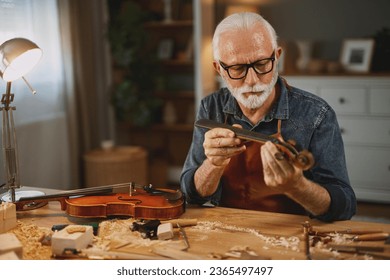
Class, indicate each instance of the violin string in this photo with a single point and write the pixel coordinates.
(84, 191)
(95, 191)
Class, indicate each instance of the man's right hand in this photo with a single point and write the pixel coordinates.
(220, 144)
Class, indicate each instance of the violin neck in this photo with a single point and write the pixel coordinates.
(61, 196)
(90, 191)
(120, 188)
(240, 132)
(251, 135)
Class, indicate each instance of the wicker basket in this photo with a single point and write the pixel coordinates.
(116, 165)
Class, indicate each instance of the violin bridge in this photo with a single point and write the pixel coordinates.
(131, 188)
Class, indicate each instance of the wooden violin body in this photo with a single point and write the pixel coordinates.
(139, 205)
(108, 201)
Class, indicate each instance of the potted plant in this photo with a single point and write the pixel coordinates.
(135, 63)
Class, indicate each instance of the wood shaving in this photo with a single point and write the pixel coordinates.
(238, 251)
(30, 235)
(117, 233)
(75, 229)
(291, 242)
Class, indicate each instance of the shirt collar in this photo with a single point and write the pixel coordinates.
(280, 109)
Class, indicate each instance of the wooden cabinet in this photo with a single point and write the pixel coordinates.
(362, 105)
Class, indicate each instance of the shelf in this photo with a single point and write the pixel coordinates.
(169, 128)
(182, 94)
(169, 24)
(173, 127)
(172, 42)
(158, 127)
(178, 63)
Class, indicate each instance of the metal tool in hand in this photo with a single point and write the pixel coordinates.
(184, 235)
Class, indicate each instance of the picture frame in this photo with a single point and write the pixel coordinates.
(356, 55)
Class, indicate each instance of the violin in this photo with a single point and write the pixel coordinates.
(139, 202)
(301, 159)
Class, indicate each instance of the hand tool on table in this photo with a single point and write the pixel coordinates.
(371, 237)
(184, 235)
(306, 229)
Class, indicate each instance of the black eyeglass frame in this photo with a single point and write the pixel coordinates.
(250, 65)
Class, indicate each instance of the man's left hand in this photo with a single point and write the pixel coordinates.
(279, 173)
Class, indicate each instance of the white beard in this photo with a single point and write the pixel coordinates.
(254, 101)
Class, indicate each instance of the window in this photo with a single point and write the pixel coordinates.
(40, 119)
(38, 22)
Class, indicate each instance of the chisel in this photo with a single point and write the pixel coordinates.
(372, 237)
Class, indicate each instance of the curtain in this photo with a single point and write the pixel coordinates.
(87, 69)
(70, 114)
(40, 120)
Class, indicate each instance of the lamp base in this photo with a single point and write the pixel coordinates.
(18, 194)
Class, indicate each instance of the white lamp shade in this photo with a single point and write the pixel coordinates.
(18, 56)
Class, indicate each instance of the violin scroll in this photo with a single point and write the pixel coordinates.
(304, 160)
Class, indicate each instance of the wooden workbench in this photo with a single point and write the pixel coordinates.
(221, 233)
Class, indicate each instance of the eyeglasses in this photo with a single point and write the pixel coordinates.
(239, 71)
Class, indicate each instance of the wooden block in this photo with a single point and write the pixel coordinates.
(71, 237)
(10, 243)
(9, 256)
(7, 216)
(165, 231)
(9, 210)
(7, 225)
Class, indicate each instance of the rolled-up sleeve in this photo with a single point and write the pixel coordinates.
(194, 159)
(330, 170)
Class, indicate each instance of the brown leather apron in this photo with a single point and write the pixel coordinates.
(244, 186)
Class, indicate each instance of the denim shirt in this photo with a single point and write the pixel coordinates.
(305, 118)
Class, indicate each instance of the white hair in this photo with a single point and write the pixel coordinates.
(241, 21)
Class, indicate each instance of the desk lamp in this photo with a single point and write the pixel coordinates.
(17, 57)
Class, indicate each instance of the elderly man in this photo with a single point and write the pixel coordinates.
(222, 169)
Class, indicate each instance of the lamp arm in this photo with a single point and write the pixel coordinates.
(33, 91)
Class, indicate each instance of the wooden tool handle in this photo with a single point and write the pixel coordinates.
(182, 222)
(372, 237)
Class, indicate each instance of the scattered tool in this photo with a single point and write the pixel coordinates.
(372, 251)
(147, 229)
(306, 229)
(355, 248)
(184, 235)
(181, 222)
(371, 237)
(346, 231)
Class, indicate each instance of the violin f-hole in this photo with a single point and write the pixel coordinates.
(136, 201)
